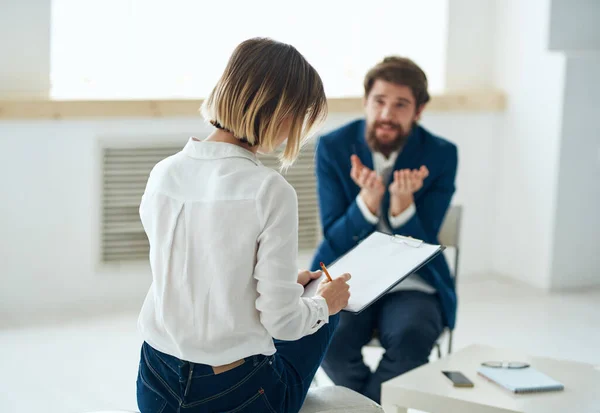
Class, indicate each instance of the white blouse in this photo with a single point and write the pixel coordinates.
(223, 232)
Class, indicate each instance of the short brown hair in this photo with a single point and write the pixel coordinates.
(401, 71)
(264, 84)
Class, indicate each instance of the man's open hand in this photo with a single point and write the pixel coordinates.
(405, 183)
(370, 184)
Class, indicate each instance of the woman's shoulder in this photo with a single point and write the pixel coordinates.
(271, 180)
(274, 188)
(164, 168)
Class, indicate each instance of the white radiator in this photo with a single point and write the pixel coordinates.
(125, 171)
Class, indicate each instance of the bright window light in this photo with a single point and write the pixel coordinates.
(159, 49)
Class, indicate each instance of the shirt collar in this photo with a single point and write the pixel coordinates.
(381, 161)
(217, 150)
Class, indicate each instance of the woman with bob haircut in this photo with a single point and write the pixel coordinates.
(224, 324)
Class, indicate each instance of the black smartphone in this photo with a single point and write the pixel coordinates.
(458, 379)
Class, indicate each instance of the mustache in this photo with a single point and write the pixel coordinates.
(390, 124)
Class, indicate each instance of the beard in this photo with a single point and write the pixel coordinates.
(387, 148)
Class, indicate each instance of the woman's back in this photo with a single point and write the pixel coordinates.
(204, 211)
(225, 325)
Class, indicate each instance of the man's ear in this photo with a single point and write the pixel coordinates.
(420, 110)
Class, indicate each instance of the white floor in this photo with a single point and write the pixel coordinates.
(86, 366)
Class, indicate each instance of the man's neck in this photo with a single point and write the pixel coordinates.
(387, 155)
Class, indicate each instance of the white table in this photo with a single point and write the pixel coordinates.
(426, 389)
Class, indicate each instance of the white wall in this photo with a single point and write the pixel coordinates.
(529, 143)
(24, 48)
(470, 45)
(575, 258)
(50, 209)
(574, 25)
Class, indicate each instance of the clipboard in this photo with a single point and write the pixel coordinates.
(377, 264)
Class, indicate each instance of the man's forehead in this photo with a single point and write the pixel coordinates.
(392, 90)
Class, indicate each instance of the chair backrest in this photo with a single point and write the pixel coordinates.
(450, 232)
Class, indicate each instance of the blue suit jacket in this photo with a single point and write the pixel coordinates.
(343, 224)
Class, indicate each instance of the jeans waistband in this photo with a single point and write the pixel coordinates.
(183, 367)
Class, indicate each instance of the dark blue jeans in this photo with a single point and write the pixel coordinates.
(274, 384)
(409, 323)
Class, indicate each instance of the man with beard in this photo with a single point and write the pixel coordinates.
(387, 173)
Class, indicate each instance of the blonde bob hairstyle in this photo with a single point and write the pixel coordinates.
(265, 86)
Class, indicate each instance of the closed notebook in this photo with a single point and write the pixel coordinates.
(527, 380)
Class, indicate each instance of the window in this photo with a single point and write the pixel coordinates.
(147, 49)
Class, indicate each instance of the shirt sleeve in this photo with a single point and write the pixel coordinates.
(322, 311)
(364, 209)
(403, 217)
(283, 312)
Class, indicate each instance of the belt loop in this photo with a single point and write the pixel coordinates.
(189, 381)
(255, 360)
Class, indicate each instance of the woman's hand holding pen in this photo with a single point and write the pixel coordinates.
(305, 276)
(336, 292)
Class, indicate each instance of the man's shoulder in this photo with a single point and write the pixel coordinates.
(436, 142)
(345, 133)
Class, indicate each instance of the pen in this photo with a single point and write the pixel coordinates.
(324, 268)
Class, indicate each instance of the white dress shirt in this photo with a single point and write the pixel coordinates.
(223, 232)
(384, 167)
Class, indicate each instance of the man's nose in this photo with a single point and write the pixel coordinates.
(385, 113)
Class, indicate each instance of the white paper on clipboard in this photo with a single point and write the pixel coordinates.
(377, 265)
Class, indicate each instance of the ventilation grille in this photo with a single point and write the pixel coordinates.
(125, 174)
(125, 171)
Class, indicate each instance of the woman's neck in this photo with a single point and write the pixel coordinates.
(220, 135)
